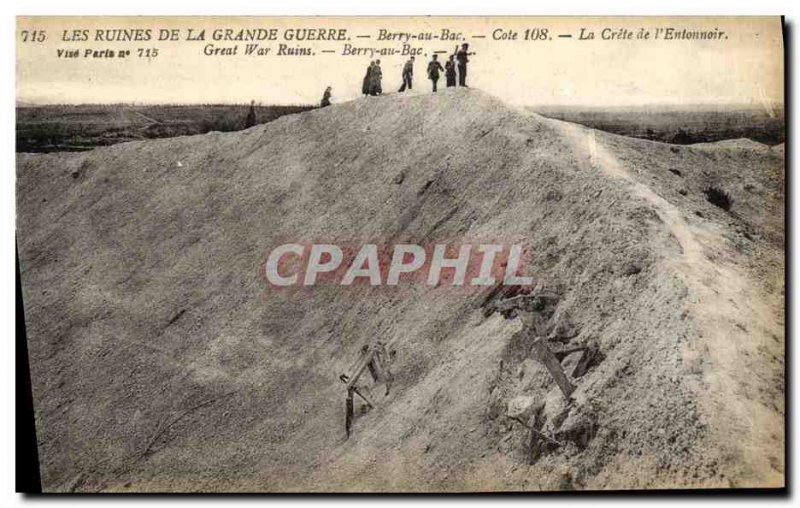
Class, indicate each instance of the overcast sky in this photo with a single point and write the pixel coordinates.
(746, 68)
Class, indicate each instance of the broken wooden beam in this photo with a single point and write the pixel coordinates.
(542, 352)
(364, 398)
(361, 367)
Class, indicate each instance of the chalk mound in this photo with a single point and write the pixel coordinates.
(161, 360)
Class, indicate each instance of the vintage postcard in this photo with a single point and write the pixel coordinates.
(403, 254)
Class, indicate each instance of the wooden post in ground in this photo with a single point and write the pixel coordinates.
(373, 358)
(364, 362)
(348, 417)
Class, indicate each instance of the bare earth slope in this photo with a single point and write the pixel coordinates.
(160, 361)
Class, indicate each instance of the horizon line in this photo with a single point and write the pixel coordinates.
(660, 105)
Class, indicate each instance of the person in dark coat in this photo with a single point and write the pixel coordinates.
(366, 83)
(450, 70)
(408, 73)
(462, 57)
(375, 79)
(434, 67)
(251, 116)
(326, 98)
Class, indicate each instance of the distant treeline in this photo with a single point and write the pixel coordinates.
(83, 127)
(679, 127)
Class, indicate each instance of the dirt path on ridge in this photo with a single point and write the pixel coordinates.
(741, 327)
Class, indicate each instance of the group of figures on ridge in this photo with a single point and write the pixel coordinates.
(455, 73)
